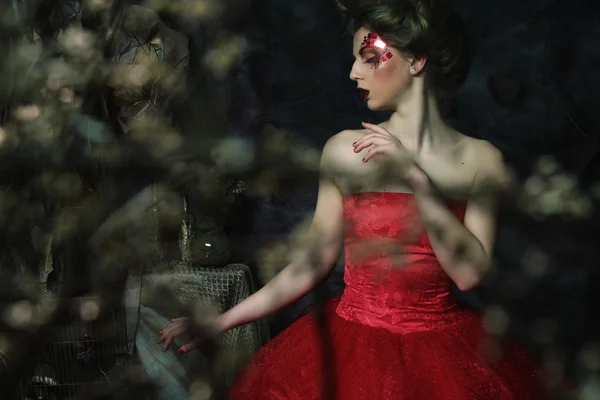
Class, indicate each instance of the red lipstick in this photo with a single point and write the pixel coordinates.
(364, 93)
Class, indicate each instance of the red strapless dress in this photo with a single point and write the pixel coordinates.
(396, 332)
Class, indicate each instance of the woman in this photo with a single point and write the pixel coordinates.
(412, 184)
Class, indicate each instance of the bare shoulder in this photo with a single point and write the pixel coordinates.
(338, 150)
(489, 162)
(343, 138)
(487, 154)
(340, 164)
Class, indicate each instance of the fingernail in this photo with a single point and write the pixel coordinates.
(181, 352)
(354, 144)
(363, 160)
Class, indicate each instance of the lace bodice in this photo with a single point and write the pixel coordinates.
(393, 279)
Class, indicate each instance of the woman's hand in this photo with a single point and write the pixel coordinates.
(381, 142)
(178, 327)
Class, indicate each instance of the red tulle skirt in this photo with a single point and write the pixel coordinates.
(453, 362)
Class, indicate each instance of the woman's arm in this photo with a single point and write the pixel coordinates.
(304, 273)
(464, 250)
(310, 265)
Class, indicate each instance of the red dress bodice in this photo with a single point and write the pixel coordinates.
(393, 278)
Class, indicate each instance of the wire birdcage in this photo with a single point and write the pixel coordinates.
(81, 355)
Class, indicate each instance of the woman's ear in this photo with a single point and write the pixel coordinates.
(417, 65)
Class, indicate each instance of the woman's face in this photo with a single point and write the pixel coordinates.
(382, 73)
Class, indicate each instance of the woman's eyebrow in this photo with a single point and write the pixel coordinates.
(372, 42)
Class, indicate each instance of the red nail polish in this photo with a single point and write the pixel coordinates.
(181, 352)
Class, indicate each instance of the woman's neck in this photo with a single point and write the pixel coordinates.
(418, 123)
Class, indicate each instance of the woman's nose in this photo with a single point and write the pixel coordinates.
(354, 73)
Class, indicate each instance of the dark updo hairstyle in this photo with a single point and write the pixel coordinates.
(428, 28)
